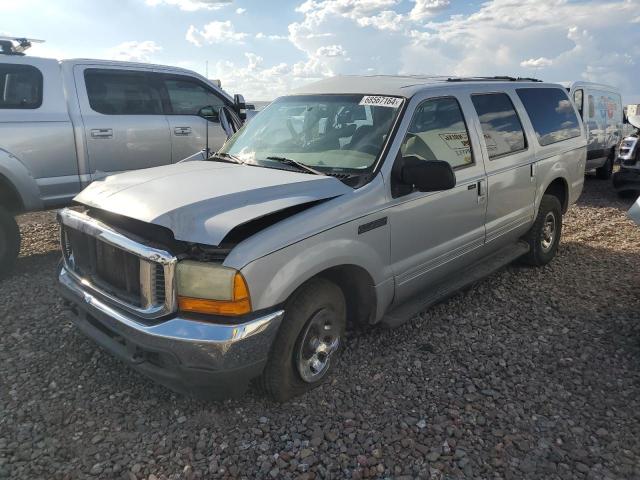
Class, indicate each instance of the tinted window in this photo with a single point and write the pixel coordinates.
(551, 114)
(20, 86)
(501, 127)
(188, 96)
(438, 132)
(122, 92)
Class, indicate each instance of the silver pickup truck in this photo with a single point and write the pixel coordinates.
(357, 200)
(66, 123)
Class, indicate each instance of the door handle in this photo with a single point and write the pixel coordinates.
(182, 131)
(482, 193)
(101, 133)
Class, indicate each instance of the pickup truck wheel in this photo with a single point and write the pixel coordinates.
(544, 236)
(604, 172)
(309, 338)
(9, 242)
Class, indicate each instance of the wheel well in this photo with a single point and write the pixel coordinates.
(9, 197)
(358, 290)
(559, 189)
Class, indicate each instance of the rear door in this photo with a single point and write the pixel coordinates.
(185, 96)
(509, 163)
(124, 123)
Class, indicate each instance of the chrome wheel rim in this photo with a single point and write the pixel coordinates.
(548, 232)
(320, 339)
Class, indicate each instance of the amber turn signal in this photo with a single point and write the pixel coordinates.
(238, 305)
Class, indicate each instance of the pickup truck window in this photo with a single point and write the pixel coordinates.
(501, 126)
(551, 113)
(20, 87)
(438, 132)
(187, 96)
(331, 133)
(122, 92)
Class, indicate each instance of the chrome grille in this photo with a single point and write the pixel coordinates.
(130, 274)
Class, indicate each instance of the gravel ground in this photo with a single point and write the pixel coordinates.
(532, 373)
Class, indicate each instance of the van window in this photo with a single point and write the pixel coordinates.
(438, 132)
(592, 107)
(187, 96)
(607, 106)
(578, 100)
(122, 92)
(551, 113)
(20, 87)
(501, 126)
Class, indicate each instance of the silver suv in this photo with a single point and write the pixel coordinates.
(358, 200)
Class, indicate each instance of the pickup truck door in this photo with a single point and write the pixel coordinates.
(124, 122)
(184, 97)
(510, 166)
(434, 234)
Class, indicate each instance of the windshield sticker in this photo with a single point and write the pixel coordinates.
(379, 101)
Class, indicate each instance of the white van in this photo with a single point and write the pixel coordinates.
(601, 109)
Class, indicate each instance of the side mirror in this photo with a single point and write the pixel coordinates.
(209, 113)
(425, 175)
(240, 105)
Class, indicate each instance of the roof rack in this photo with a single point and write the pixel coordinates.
(498, 78)
(16, 45)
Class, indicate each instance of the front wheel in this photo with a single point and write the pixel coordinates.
(9, 242)
(544, 236)
(309, 338)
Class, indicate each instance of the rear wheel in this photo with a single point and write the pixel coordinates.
(309, 338)
(9, 242)
(544, 236)
(604, 172)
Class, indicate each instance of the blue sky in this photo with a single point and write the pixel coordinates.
(263, 48)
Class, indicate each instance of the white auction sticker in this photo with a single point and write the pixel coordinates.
(379, 101)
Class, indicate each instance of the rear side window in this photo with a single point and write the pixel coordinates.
(20, 87)
(438, 132)
(501, 127)
(551, 114)
(122, 92)
(188, 96)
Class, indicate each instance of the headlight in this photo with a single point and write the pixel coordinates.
(211, 289)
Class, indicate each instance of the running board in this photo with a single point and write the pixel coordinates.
(407, 310)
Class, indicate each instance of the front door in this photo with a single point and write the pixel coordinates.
(435, 234)
(186, 96)
(124, 122)
(510, 168)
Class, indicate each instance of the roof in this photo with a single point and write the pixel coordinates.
(579, 83)
(397, 85)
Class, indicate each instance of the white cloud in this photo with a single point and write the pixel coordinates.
(536, 62)
(261, 36)
(331, 51)
(134, 51)
(240, 11)
(215, 32)
(427, 8)
(192, 5)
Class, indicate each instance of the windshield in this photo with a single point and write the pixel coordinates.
(331, 133)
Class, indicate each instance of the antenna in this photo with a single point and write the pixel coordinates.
(16, 45)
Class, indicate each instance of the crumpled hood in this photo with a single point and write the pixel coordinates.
(202, 202)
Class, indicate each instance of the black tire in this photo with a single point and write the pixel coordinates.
(282, 378)
(541, 250)
(9, 242)
(604, 172)
(628, 194)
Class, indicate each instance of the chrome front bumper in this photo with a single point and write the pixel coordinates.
(189, 356)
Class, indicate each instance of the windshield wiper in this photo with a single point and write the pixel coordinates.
(295, 163)
(227, 157)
